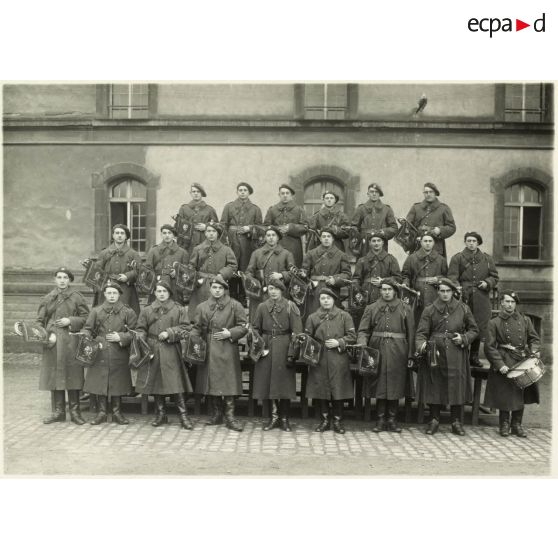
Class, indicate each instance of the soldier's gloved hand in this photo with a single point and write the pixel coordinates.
(504, 370)
(200, 227)
(457, 339)
(332, 343)
(113, 337)
(291, 363)
(163, 336)
(122, 278)
(62, 322)
(276, 275)
(436, 231)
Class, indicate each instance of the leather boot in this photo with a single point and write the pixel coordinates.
(456, 426)
(516, 428)
(160, 411)
(183, 412)
(504, 423)
(230, 422)
(284, 411)
(337, 422)
(59, 413)
(392, 407)
(381, 424)
(101, 411)
(75, 413)
(324, 413)
(115, 405)
(274, 420)
(217, 411)
(434, 423)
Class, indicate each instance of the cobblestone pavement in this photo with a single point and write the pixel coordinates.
(64, 448)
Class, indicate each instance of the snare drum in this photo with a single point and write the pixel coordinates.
(527, 372)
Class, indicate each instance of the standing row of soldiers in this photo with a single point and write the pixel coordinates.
(448, 329)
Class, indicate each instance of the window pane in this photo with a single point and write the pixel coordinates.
(313, 194)
(531, 232)
(120, 190)
(531, 195)
(118, 214)
(533, 96)
(511, 194)
(511, 226)
(514, 94)
(513, 116)
(120, 89)
(314, 95)
(138, 189)
(337, 95)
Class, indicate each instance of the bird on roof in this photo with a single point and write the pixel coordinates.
(421, 103)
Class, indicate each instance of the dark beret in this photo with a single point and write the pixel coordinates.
(376, 234)
(333, 194)
(275, 230)
(376, 187)
(427, 234)
(329, 230)
(511, 293)
(214, 225)
(288, 188)
(165, 284)
(250, 189)
(199, 187)
(448, 283)
(391, 283)
(66, 271)
(432, 187)
(168, 228)
(219, 281)
(112, 285)
(474, 235)
(124, 228)
(277, 283)
(329, 292)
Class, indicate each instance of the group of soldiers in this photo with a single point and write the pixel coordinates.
(440, 333)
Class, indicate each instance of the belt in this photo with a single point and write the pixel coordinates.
(511, 347)
(237, 228)
(319, 278)
(447, 335)
(206, 275)
(276, 332)
(389, 335)
(368, 231)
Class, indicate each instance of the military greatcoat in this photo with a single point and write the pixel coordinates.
(221, 373)
(275, 322)
(468, 269)
(293, 215)
(333, 218)
(59, 368)
(373, 265)
(110, 373)
(209, 259)
(161, 259)
(425, 216)
(331, 378)
(450, 383)
(237, 214)
(189, 215)
(166, 372)
(516, 330)
(389, 328)
(374, 216)
(124, 260)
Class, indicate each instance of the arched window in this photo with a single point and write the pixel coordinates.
(314, 190)
(127, 199)
(523, 222)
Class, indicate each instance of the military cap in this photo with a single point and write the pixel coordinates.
(474, 235)
(250, 189)
(376, 234)
(329, 230)
(329, 292)
(448, 283)
(288, 188)
(332, 194)
(219, 281)
(214, 225)
(427, 234)
(275, 230)
(112, 285)
(66, 271)
(391, 283)
(168, 228)
(510, 293)
(277, 283)
(199, 187)
(166, 285)
(124, 228)
(376, 187)
(432, 187)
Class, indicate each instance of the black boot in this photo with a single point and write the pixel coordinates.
(284, 411)
(230, 422)
(474, 356)
(59, 413)
(117, 416)
(101, 410)
(392, 407)
(516, 428)
(337, 422)
(324, 413)
(381, 424)
(274, 420)
(75, 413)
(217, 411)
(160, 411)
(504, 423)
(456, 426)
(183, 412)
(434, 423)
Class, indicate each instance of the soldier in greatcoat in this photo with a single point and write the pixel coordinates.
(210, 259)
(374, 217)
(450, 327)
(238, 218)
(474, 271)
(162, 257)
(432, 216)
(121, 263)
(387, 325)
(325, 266)
(331, 379)
(192, 218)
(267, 263)
(329, 216)
(422, 270)
(372, 269)
(291, 220)
(221, 322)
(62, 310)
(276, 320)
(109, 376)
(511, 338)
(162, 324)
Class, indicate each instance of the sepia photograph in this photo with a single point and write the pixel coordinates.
(278, 279)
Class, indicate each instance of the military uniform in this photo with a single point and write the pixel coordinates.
(374, 217)
(189, 215)
(330, 218)
(161, 259)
